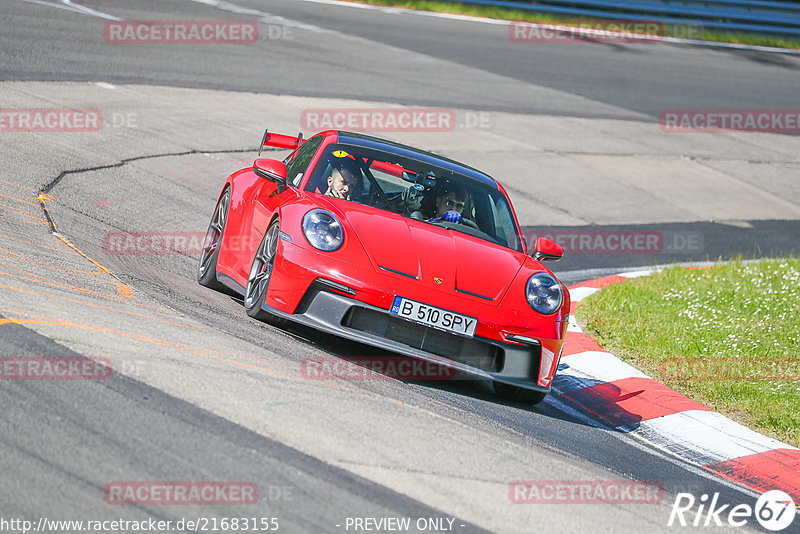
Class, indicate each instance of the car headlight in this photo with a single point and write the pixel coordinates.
(323, 230)
(543, 293)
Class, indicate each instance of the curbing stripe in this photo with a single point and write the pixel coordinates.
(637, 274)
(622, 397)
(578, 294)
(578, 342)
(600, 283)
(774, 469)
(628, 403)
(600, 366)
(706, 437)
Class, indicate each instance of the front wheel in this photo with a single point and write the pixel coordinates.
(518, 394)
(260, 276)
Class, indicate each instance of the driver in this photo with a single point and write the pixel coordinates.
(343, 179)
(449, 203)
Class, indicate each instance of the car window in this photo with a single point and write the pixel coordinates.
(410, 188)
(297, 162)
(505, 223)
(388, 176)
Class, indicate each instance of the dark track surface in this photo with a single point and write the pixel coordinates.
(640, 78)
(63, 442)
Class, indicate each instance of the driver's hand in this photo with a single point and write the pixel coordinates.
(338, 194)
(451, 217)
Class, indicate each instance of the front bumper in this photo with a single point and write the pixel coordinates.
(324, 308)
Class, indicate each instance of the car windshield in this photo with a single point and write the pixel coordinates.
(416, 189)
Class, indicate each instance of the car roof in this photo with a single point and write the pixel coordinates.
(385, 145)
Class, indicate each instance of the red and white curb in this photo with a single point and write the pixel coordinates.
(624, 398)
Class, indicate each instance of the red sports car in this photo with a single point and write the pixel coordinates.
(394, 247)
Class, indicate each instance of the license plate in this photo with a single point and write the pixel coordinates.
(433, 316)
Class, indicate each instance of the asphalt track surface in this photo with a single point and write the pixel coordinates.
(379, 449)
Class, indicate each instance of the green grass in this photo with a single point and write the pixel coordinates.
(727, 336)
(689, 31)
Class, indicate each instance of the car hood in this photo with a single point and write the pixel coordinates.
(437, 257)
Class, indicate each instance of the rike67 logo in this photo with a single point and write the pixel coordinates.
(774, 510)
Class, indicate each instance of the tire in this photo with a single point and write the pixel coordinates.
(260, 275)
(518, 394)
(207, 270)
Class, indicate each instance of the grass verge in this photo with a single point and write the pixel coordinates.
(688, 31)
(727, 336)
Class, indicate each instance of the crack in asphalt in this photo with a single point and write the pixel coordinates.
(43, 194)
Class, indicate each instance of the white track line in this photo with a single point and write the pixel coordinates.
(263, 16)
(89, 11)
(68, 5)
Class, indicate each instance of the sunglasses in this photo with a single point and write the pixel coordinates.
(453, 203)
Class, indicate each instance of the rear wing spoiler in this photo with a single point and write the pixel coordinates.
(280, 141)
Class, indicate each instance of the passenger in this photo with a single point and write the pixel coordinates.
(343, 180)
(449, 202)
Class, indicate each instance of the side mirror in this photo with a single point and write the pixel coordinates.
(273, 170)
(547, 249)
